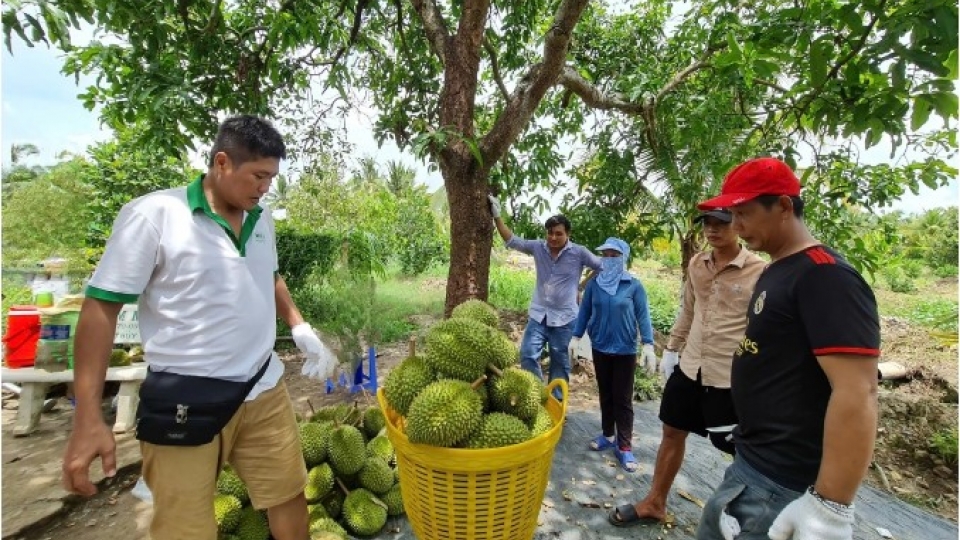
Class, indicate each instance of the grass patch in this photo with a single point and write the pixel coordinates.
(511, 289)
(646, 386)
(933, 313)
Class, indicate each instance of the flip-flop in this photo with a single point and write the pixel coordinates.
(601, 443)
(625, 515)
(627, 461)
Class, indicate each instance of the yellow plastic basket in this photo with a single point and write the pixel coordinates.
(474, 494)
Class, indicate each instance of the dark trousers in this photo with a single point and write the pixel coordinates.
(615, 374)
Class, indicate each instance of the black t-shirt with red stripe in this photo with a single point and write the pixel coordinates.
(806, 304)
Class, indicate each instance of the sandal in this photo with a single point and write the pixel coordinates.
(625, 515)
(601, 443)
(626, 459)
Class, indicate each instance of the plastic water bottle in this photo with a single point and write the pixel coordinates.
(141, 491)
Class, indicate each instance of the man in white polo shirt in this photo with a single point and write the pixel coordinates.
(202, 263)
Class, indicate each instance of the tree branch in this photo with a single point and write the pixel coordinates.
(534, 85)
(592, 96)
(677, 79)
(434, 26)
(495, 67)
(214, 18)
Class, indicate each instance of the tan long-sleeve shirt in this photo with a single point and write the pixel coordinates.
(713, 315)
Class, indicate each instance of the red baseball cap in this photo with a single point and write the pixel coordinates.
(751, 179)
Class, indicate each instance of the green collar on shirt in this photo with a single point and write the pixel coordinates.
(198, 201)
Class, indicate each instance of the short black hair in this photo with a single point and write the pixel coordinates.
(769, 200)
(558, 219)
(245, 138)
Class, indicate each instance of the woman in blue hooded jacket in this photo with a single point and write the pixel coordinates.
(614, 310)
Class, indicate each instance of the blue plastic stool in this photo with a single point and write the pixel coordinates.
(359, 376)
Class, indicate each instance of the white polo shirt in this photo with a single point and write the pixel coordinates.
(206, 298)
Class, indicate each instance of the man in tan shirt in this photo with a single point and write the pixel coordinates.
(711, 323)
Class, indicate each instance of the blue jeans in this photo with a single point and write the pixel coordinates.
(535, 337)
(749, 496)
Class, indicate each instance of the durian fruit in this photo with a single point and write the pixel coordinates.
(119, 358)
(541, 423)
(227, 510)
(363, 513)
(334, 503)
(497, 430)
(517, 392)
(313, 441)
(373, 422)
(229, 483)
(346, 450)
(327, 525)
(319, 482)
(479, 311)
(326, 535)
(376, 476)
(381, 447)
(406, 381)
(253, 525)
(338, 414)
(136, 354)
(458, 348)
(394, 501)
(445, 413)
(316, 511)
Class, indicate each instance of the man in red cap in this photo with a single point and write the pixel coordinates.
(804, 377)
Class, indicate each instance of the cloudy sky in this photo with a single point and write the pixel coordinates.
(40, 106)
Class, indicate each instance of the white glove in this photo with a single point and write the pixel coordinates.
(649, 358)
(573, 348)
(494, 206)
(809, 519)
(321, 361)
(668, 362)
(729, 526)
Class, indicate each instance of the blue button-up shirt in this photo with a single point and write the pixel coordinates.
(555, 298)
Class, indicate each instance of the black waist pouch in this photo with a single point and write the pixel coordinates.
(185, 410)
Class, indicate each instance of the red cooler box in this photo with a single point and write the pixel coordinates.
(23, 333)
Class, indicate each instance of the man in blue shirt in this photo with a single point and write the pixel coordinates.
(553, 309)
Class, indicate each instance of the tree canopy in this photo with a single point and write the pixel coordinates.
(667, 95)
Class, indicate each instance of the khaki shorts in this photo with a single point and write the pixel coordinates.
(261, 442)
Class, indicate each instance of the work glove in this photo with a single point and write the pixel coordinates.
(729, 526)
(494, 206)
(807, 518)
(321, 362)
(573, 348)
(668, 362)
(649, 358)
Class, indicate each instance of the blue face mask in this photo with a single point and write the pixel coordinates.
(612, 264)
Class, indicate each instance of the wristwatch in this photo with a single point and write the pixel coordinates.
(845, 510)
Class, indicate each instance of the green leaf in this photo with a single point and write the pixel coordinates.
(820, 55)
(951, 64)
(921, 113)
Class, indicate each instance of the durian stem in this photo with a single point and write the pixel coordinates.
(343, 486)
(412, 344)
(495, 370)
(312, 410)
(476, 384)
(378, 502)
(513, 401)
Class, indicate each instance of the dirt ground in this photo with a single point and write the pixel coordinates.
(911, 411)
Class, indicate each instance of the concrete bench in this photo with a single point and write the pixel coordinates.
(34, 382)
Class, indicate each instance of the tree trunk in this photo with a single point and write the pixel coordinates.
(471, 234)
(689, 246)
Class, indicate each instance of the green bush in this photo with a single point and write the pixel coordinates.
(946, 271)
(912, 268)
(944, 444)
(663, 305)
(15, 293)
(646, 386)
(302, 253)
(898, 280)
